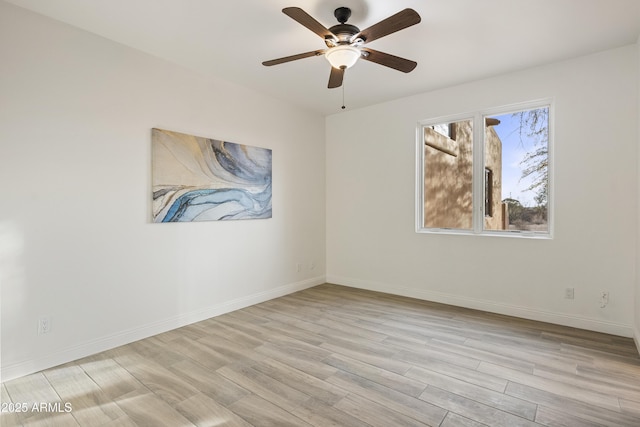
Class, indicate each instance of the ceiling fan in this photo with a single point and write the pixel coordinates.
(345, 41)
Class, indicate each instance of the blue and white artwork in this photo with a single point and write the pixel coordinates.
(202, 179)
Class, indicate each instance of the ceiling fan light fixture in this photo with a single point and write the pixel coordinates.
(342, 57)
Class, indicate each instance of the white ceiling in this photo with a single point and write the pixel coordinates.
(456, 42)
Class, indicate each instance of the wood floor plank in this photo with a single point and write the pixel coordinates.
(158, 379)
(193, 332)
(472, 409)
(247, 326)
(501, 358)
(572, 407)
(360, 317)
(357, 344)
(412, 407)
(427, 328)
(30, 392)
(234, 334)
(90, 405)
(628, 380)
(455, 420)
(156, 349)
(50, 419)
(31, 389)
(303, 360)
(334, 327)
(294, 330)
(112, 378)
(301, 381)
(601, 357)
(528, 357)
(259, 412)
(232, 352)
(383, 377)
(198, 352)
(298, 348)
(596, 384)
(506, 403)
(320, 414)
(369, 355)
(557, 418)
(376, 415)
(209, 382)
(147, 409)
(121, 422)
(203, 411)
(631, 407)
(552, 386)
(603, 343)
(345, 357)
(427, 358)
(265, 387)
(9, 415)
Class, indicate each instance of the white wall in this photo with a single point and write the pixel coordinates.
(76, 241)
(637, 295)
(371, 242)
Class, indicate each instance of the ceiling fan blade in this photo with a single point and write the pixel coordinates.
(293, 57)
(401, 20)
(335, 78)
(389, 60)
(308, 21)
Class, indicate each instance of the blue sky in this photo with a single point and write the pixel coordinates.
(513, 150)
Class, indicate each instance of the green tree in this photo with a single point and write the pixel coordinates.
(516, 210)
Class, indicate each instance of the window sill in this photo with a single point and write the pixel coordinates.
(508, 234)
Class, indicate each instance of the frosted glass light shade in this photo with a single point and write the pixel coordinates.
(342, 56)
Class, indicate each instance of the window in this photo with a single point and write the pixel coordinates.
(486, 173)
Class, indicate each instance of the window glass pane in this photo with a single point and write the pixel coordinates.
(443, 129)
(517, 153)
(448, 175)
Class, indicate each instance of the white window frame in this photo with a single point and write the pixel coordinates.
(479, 166)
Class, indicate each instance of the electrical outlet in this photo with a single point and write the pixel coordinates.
(568, 293)
(298, 267)
(44, 325)
(604, 299)
(312, 265)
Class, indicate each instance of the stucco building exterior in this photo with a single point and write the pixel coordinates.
(448, 172)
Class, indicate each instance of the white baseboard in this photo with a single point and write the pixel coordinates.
(79, 351)
(493, 307)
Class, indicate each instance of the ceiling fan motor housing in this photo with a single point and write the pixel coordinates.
(343, 31)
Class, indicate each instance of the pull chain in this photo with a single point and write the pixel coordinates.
(343, 107)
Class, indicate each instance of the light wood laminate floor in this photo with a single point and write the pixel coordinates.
(336, 356)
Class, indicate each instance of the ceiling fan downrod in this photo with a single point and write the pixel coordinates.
(342, 14)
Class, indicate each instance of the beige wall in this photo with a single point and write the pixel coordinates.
(493, 161)
(448, 178)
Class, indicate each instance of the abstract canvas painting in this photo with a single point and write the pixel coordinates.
(202, 179)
